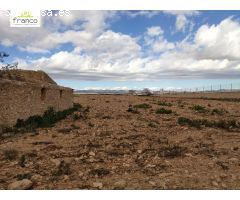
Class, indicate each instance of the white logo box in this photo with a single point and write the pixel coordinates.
(25, 18)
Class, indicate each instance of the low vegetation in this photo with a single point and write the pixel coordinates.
(222, 99)
(172, 151)
(151, 124)
(23, 176)
(10, 154)
(48, 119)
(62, 169)
(143, 106)
(217, 111)
(132, 109)
(100, 172)
(163, 103)
(163, 111)
(198, 108)
(198, 123)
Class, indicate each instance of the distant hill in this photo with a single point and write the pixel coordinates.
(101, 91)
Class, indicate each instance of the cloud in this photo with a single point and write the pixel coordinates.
(220, 41)
(182, 21)
(154, 31)
(142, 13)
(154, 39)
(79, 28)
(100, 53)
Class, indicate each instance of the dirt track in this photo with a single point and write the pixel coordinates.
(111, 148)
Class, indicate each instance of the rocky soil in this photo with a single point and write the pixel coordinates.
(121, 142)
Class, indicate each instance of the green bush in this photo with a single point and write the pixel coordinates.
(163, 111)
(144, 106)
(163, 103)
(132, 109)
(49, 118)
(219, 111)
(198, 108)
(224, 124)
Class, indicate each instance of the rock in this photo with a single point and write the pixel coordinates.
(126, 165)
(150, 166)
(120, 184)
(21, 185)
(56, 162)
(214, 183)
(224, 185)
(233, 160)
(36, 178)
(188, 155)
(91, 153)
(98, 185)
(65, 177)
(68, 160)
(139, 151)
(152, 183)
(223, 176)
(91, 160)
(114, 167)
(210, 165)
(80, 174)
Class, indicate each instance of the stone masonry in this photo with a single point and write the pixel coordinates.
(24, 93)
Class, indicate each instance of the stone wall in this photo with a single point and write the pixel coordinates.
(20, 100)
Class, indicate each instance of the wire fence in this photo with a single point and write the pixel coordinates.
(231, 87)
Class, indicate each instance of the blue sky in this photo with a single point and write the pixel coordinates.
(130, 49)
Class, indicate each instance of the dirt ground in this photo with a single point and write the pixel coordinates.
(116, 146)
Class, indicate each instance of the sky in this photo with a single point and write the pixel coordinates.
(130, 49)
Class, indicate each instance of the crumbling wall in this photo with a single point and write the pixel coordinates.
(20, 100)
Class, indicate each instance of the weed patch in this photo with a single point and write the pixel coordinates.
(63, 169)
(163, 111)
(198, 108)
(49, 118)
(10, 154)
(217, 111)
(172, 151)
(132, 109)
(99, 172)
(163, 103)
(224, 124)
(143, 106)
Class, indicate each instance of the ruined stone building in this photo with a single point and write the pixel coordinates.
(25, 93)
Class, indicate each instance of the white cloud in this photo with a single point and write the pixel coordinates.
(100, 53)
(143, 13)
(154, 31)
(155, 40)
(182, 12)
(182, 21)
(219, 41)
(40, 40)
